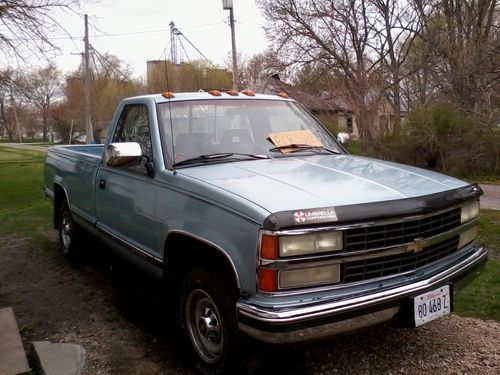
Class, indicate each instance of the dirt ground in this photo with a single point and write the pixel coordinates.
(121, 317)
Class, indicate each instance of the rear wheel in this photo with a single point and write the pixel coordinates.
(208, 317)
(68, 232)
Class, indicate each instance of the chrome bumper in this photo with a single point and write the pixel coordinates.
(333, 318)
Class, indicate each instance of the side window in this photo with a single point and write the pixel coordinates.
(133, 126)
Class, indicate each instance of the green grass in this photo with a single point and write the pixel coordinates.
(25, 211)
(481, 298)
(23, 208)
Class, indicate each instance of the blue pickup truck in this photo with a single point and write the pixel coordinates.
(261, 223)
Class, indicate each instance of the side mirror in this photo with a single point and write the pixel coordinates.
(343, 138)
(124, 153)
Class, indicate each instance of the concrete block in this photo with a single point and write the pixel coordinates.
(58, 358)
(12, 356)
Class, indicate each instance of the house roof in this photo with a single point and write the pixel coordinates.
(273, 85)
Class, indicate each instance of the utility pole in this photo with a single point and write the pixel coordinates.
(228, 4)
(88, 120)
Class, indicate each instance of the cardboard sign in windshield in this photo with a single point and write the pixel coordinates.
(297, 137)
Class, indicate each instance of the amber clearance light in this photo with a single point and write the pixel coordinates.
(168, 95)
(215, 93)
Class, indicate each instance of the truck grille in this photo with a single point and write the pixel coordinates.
(393, 264)
(379, 236)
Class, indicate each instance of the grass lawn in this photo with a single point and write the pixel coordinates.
(23, 208)
(24, 211)
(482, 297)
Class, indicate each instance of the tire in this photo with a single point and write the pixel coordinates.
(68, 233)
(208, 318)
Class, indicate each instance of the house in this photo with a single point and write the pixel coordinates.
(334, 114)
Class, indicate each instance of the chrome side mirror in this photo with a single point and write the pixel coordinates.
(343, 138)
(124, 153)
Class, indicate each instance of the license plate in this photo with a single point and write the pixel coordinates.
(432, 305)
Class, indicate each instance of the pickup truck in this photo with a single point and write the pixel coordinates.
(262, 224)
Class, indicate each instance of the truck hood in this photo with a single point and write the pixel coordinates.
(295, 183)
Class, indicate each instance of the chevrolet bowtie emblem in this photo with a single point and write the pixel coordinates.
(417, 246)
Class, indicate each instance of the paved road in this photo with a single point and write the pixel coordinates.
(490, 199)
(26, 146)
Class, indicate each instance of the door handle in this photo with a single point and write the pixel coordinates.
(102, 184)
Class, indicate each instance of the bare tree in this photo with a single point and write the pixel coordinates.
(26, 24)
(40, 88)
(10, 103)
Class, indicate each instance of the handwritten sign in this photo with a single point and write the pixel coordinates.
(297, 137)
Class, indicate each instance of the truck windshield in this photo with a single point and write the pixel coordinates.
(252, 127)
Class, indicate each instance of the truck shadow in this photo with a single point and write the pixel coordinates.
(143, 306)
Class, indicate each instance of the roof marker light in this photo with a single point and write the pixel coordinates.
(283, 95)
(248, 92)
(232, 92)
(215, 92)
(168, 95)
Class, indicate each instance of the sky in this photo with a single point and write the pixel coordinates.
(138, 31)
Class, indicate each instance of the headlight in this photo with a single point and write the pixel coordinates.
(304, 244)
(469, 211)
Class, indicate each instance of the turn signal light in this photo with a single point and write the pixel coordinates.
(269, 247)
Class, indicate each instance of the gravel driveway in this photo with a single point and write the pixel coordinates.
(122, 319)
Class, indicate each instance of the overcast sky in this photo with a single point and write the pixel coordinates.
(137, 31)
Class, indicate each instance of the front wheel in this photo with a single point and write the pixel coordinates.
(209, 319)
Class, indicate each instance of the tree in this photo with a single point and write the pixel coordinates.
(111, 82)
(193, 76)
(10, 103)
(336, 35)
(26, 24)
(40, 88)
(258, 67)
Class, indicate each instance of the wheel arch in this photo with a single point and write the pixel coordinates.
(60, 196)
(185, 251)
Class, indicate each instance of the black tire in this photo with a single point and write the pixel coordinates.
(69, 233)
(208, 318)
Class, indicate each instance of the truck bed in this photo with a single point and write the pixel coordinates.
(75, 166)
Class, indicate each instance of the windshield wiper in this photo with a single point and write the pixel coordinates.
(217, 156)
(298, 147)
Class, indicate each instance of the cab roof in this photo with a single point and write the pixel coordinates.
(215, 95)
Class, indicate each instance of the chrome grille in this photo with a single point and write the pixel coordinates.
(379, 236)
(393, 264)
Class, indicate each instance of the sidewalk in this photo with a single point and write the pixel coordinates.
(12, 357)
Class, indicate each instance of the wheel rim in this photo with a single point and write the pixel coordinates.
(66, 227)
(204, 326)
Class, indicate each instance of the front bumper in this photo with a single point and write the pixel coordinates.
(324, 320)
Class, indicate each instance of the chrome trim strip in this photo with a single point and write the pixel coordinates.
(289, 314)
(48, 193)
(215, 246)
(134, 249)
(335, 258)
